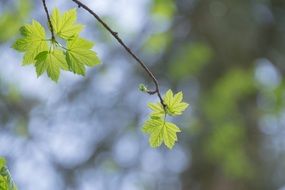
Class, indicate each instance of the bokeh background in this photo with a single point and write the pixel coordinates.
(227, 56)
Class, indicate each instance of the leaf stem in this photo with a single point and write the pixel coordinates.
(49, 20)
(61, 46)
(116, 36)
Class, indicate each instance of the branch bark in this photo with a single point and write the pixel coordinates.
(49, 20)
(121, 42)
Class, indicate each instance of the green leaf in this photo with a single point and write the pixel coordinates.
(32, 43)
(169, 134)
(40, 64)
(48, 54)
(150, 125)
(157, 109)
(64, 25)
(21, 45)
(51, 62)
(160, 132)
(79, 54)
(174, 103)
(6, 182)
(60, 57)
(35, 30)
(159, 129)
(23, 31)
(156, 137)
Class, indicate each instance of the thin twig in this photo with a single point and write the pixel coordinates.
(116, 36)
(49, 20)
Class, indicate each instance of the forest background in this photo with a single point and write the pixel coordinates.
(85, 132)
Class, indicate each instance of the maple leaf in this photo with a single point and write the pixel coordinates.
(79, 54)
(51, 62)
(32, 43)
(160, 132)
(64, 25)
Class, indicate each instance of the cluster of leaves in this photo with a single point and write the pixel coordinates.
(160, 130)
(49, 55)
(6, 182)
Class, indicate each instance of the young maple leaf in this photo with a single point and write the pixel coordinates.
(174, 104)
(32, 43)
(51, 62)
(79, 54)
(64, 24)
(160, 132)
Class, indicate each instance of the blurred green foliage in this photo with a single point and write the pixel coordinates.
(278, 97)
(226, 147)
(222, 102)
(213, 47)
(12, 18)
(163, 8)
(190, 60)
(158, 42)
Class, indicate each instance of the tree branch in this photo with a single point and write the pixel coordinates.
(116, 36)
(49, 20)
